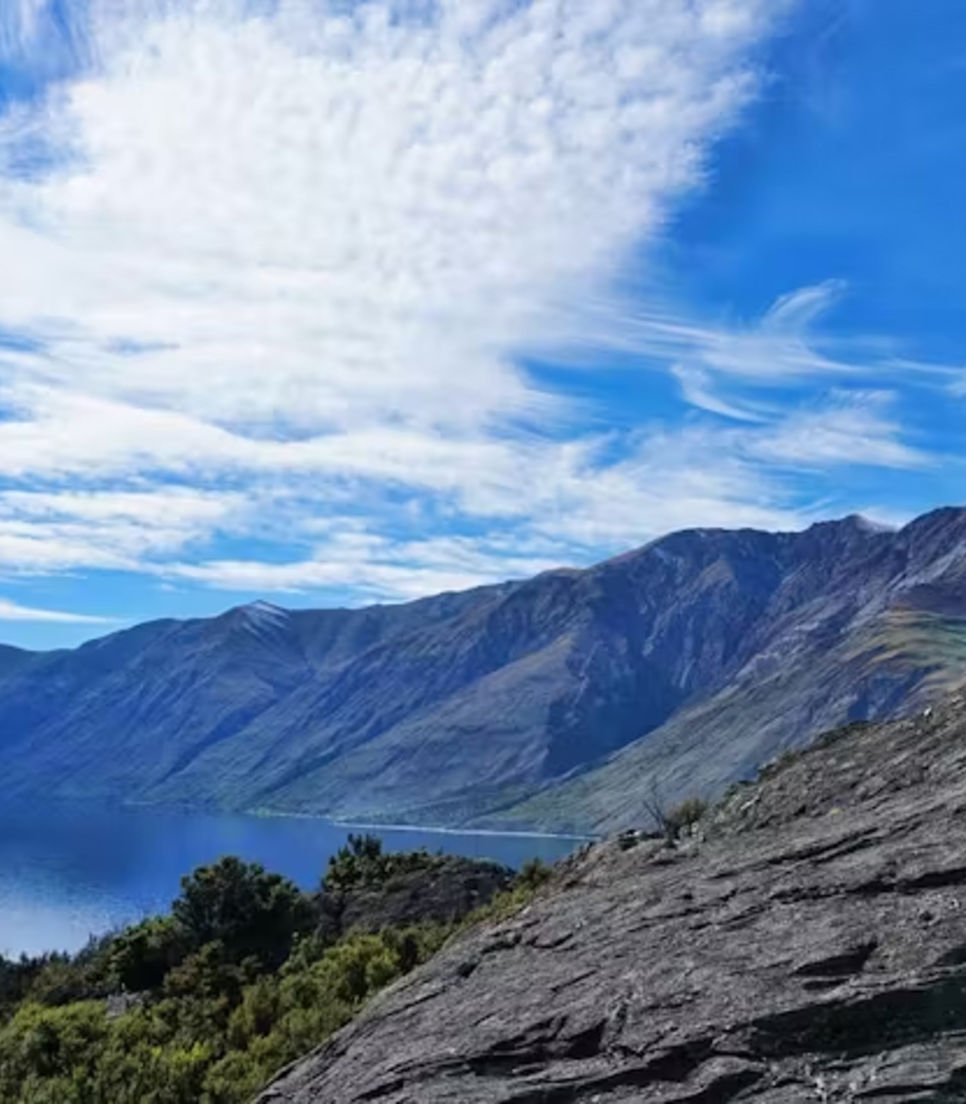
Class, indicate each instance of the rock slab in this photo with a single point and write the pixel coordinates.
(809, 945)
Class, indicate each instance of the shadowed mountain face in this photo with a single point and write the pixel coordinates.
(555, 701)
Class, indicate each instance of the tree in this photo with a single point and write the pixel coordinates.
(364, 863)
(360, 862)
(142, 956)
(245, 909)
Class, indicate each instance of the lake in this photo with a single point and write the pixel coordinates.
(70, 871)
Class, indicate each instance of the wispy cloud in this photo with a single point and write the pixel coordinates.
(374, 567)
(778, 350)
(852, 428)
(19, 20)
(53, 531)
(11, 611)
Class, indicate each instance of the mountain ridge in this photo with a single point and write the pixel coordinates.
(551, 702)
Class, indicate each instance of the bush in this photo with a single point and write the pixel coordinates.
(140, 957)
(363, 863)
(50, 1044)
(244, 908)
(534, 874)
(672, 823)
(682, 818)
(235, 1079)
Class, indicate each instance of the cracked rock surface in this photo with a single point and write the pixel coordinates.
(810, 945)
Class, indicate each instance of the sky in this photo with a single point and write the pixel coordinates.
(331, 302)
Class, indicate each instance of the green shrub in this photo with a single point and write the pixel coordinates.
(50, 1044)
(213, 1020)
(235, 1079)
(524, 888)
(140, 957)
(686, 815)
(364, 863)
(534, 874)
(243, 907)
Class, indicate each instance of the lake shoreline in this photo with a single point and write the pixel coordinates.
(484, 832)
(373, 826)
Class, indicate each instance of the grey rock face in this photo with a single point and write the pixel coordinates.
(442, 894)
(810, 946)
(550, 702)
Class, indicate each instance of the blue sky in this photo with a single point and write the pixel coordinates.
(330, 302)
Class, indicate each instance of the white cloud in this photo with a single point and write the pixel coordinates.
(778, 349)
(301, 250)
(574, 508)
(958, 385)
(322, 220)
(374, 567)
(11, 611)
(698, 389)
(53, 531)
(852, 429)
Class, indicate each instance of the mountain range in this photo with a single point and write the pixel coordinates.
(569, 701)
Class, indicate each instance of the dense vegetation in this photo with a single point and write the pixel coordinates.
(206, 1003)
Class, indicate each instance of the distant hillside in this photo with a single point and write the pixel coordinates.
(13, 659)
(551, 702)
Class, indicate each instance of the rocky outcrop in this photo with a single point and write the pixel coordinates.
(445, 891)
(808, 945)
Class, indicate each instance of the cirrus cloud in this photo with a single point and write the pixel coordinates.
(13, 611)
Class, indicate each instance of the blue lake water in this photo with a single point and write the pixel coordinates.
(71, 871)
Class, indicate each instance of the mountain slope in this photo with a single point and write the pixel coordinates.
(885, 635)
(552, 701)
(808, 943)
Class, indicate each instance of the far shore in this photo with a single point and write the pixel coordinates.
(365, 826)
(376, 827)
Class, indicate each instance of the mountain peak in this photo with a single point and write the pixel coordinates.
(858, 523)
(259, 617)
(260, 609)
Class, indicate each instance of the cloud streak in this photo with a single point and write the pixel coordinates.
(12, 611)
